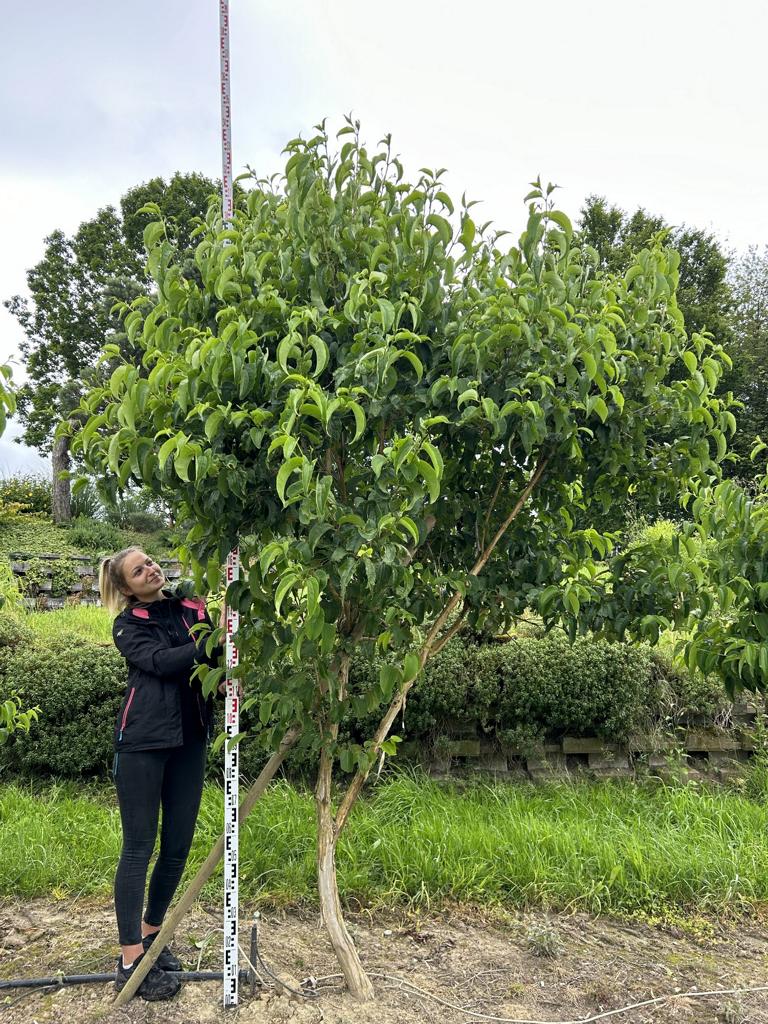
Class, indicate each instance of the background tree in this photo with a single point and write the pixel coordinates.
(67, 318)
(704, 298)
(706, 578)
(704, 292)
(748, 379)
(399, 420)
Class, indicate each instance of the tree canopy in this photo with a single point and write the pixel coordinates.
(398, 417)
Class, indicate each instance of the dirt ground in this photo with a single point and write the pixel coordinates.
(531, 967)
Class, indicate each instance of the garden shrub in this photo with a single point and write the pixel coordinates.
(34, 535)
(94, 535)
(32, 492)
(78, 686)
(14, 632)
(143, 522)
(60, 571)
(682, 697)
(85, 503)
(588, 687)
(11, 600)
(517, 692)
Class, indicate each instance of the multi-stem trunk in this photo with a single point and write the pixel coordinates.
(330, 825)
(357, 980)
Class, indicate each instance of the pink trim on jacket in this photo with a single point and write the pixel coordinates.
(198, 604)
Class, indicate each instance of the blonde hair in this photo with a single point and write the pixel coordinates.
(111, 581)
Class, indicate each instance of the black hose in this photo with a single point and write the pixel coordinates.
(94, 979)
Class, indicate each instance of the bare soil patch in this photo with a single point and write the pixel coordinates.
(536, 967)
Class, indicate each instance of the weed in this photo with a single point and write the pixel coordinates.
(542, 939)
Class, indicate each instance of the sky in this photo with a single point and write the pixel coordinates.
(655, 104)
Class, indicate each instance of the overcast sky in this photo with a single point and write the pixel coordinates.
(654, 104)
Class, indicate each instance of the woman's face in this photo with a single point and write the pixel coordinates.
(143, 577)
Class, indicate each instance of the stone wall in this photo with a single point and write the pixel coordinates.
(86, 591)
(704, 754)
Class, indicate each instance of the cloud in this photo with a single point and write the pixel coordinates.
(16, 458)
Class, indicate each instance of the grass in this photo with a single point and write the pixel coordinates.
(613, 847)
(86, 621)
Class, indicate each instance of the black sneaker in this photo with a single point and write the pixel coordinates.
(166, 961)
(156, 986)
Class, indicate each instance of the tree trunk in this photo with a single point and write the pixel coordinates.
(62, 500)
(358, 982)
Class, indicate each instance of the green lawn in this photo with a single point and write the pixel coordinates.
(609, 847)
(85, 621)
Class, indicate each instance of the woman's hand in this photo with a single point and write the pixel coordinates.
(223, 625)
(223, 689)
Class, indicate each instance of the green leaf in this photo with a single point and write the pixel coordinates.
(213, 423)
(165, 449)
(590, 365)
(285, 471)
(268, 556)
(690, 361)
(598, 405)
(430, 477)
(321, 353)
(410, 667)
(435, 457)
(444, 229)
(414, 360)
(359, 415)
(563, 222)
(468, 231)
(410, 526)
(387, 311)
(286, 583)
(389, 678)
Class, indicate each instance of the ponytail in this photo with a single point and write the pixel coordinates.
(111, 581)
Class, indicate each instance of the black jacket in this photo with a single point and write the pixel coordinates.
(161, 656)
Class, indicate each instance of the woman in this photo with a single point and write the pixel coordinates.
(161, 737)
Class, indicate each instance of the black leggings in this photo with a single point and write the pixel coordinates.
(145, 779)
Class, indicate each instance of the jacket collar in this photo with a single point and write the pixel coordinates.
(143, 609)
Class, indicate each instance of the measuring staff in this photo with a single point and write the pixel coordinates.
(161, 739)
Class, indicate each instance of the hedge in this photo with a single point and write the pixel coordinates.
(516, 692)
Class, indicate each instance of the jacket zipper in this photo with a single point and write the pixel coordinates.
(125, 713)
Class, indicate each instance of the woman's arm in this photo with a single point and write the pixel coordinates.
(151, 653)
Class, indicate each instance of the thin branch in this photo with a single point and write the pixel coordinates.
(491, 507)
(451, 632)
(382, 731)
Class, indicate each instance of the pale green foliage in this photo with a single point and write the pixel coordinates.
(360, 382)
(707, 578)
(7, 399)
(13, 719)
(11, 600)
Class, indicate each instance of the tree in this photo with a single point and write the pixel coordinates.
(68, 319)
(706, 578)
(748, 278)
(704, 294)
(397, 418)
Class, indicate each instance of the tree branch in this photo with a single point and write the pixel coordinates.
(491, 507)
(451, 632)
(427, 651)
